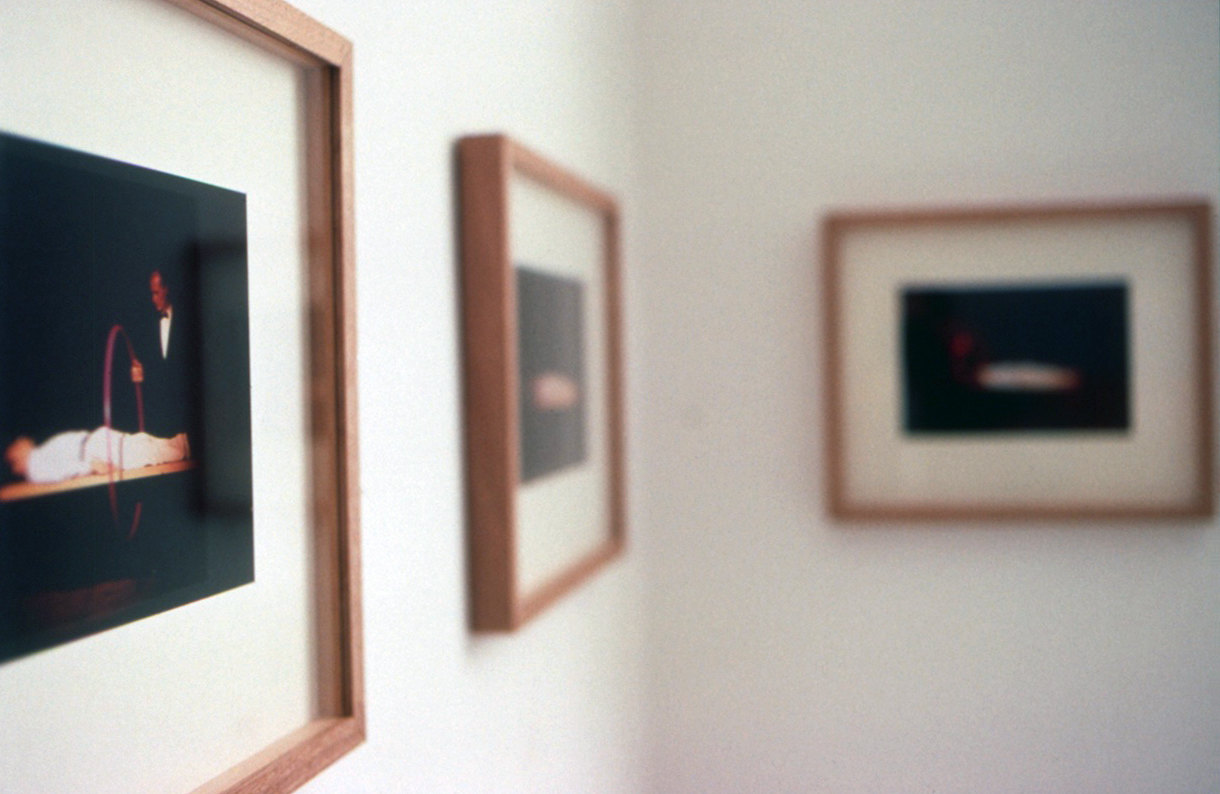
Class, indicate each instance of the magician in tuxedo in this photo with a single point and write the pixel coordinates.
(166, 345)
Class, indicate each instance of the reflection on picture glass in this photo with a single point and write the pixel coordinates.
(1014, 358)
(550, 328)
(125, 396)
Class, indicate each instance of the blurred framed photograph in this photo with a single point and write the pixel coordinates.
(179, 536)
(540, 303)
(1048, 361)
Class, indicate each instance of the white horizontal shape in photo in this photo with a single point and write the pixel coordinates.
(1027, 376)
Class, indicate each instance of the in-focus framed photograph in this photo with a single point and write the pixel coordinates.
(1042, 361)
(540, 284)
(179, 550)
(119, 500)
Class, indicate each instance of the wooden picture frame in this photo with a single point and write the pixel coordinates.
(542, 341)
(326, 59)
(325, 444)
(1048, 361)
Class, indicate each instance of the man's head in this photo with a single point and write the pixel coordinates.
(160, 292)
(18, 455)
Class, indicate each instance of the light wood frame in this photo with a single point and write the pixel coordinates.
(314, 709)
(326, 59)
(487, 164)
(909, 231)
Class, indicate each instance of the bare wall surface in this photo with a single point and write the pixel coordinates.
(790, 653)
(559, 705)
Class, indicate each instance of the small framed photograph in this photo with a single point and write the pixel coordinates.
(540, 282)
(1049, 361)
(179, 538)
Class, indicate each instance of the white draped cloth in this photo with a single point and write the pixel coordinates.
(78, 452)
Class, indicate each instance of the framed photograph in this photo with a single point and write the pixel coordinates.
(179, 555)
(544, 448)
(1044, 361)
(119, 500)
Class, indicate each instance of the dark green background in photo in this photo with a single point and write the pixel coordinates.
(951, 333)
(550, 330)
(79, 237)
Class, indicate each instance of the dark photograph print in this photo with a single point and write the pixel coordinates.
(1015, 358)
(124, 394)
(550, 323)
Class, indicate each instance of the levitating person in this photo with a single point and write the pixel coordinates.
(76, 453)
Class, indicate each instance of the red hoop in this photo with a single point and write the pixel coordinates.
(106, 391)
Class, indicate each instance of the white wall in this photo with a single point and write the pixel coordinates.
(746, 643)
(559, 705)
(792, 654)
